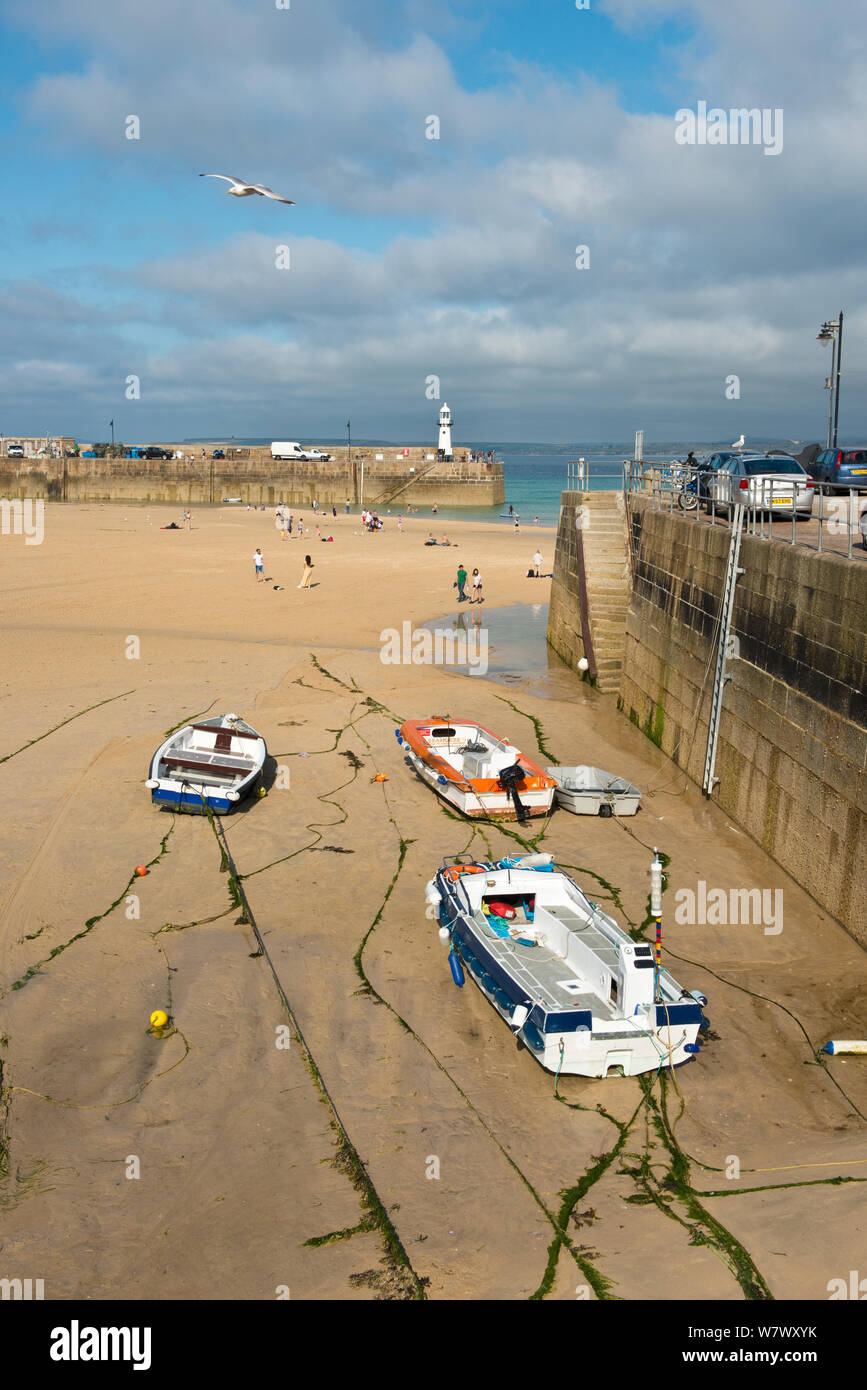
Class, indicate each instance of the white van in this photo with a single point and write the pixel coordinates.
(290, 450)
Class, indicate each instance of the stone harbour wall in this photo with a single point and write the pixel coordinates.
(792, 754)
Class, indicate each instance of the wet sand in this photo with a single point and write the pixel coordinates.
(401, 1131)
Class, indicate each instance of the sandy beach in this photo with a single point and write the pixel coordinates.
(400, 1145)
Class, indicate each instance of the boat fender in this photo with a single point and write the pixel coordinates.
(456, 968)
(432, 895)
(152, 783)
(443, 781)
(544, 862)
(520, 1015)
(444, 935)
(692, 1047)
(834, 1047)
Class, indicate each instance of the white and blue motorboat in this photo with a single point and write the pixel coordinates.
(213, 765)
(581, 995)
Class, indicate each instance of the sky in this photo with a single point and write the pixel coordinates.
(416, 270)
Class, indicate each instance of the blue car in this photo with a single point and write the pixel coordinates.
(848, 467)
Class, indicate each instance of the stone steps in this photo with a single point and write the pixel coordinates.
(606, 564)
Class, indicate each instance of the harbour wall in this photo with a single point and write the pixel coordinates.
(792, 753)
(386, 476)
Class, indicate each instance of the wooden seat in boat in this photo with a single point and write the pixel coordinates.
(206, 761)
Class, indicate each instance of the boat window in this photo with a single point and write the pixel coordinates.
(443, 733)
(612, 991)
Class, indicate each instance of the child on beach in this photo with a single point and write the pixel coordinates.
(259, 562)
(537, 562)
(477, 588)
(308, 573)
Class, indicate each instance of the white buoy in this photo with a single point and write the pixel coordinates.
(583, 664)
(444, 935)
(855, 1047)
(519, 1017)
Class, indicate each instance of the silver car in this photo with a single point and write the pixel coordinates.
(771, 483)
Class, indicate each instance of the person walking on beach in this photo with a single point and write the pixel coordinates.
(348, 504)
(308, 573)
(300, 527)
(259, 562)
(517, 524)
(477, 588)
(537, 562)
(461, 581)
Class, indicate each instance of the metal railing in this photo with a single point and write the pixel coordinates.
(837, 508)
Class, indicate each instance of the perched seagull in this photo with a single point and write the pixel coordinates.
(240, 189)
(738, 444)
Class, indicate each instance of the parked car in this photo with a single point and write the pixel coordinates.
(775, 483)
(154, 451)
(845, 466)
(315, 456)
(15, 451)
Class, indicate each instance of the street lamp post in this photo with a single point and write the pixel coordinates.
(832, 332)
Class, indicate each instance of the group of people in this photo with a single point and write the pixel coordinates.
(371, 520)
(475, 586)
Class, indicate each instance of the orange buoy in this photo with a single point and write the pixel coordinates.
(141, 870)
(380, 777)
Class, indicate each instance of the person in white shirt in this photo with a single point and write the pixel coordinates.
(259, 562)
(537, 562)
(477, 588)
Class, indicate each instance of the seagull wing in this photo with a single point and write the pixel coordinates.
(269, 193)
(239, 183)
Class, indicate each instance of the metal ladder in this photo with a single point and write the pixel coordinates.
(721, 675)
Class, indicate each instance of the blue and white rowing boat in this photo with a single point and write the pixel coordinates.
(583, 997)
(212, 765)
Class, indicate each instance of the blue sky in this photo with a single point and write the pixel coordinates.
(413, 257)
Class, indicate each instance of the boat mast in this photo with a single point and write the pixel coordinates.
(656, 913)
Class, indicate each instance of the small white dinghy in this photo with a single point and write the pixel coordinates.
(584, 997)
(213, 765)
(588, 791)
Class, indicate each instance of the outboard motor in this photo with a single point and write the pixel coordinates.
(508, 780)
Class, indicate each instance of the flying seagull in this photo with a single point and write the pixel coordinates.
(240, 189)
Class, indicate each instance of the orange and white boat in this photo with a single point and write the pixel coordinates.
(475, 770)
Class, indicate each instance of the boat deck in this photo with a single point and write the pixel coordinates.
(546, 977)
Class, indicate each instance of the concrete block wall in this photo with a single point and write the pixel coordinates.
(259, 479)
(792, 756)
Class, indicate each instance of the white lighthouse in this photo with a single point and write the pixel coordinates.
(445, 444)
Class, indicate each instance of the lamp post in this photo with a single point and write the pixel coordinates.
(111, 422)
(832, 332)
